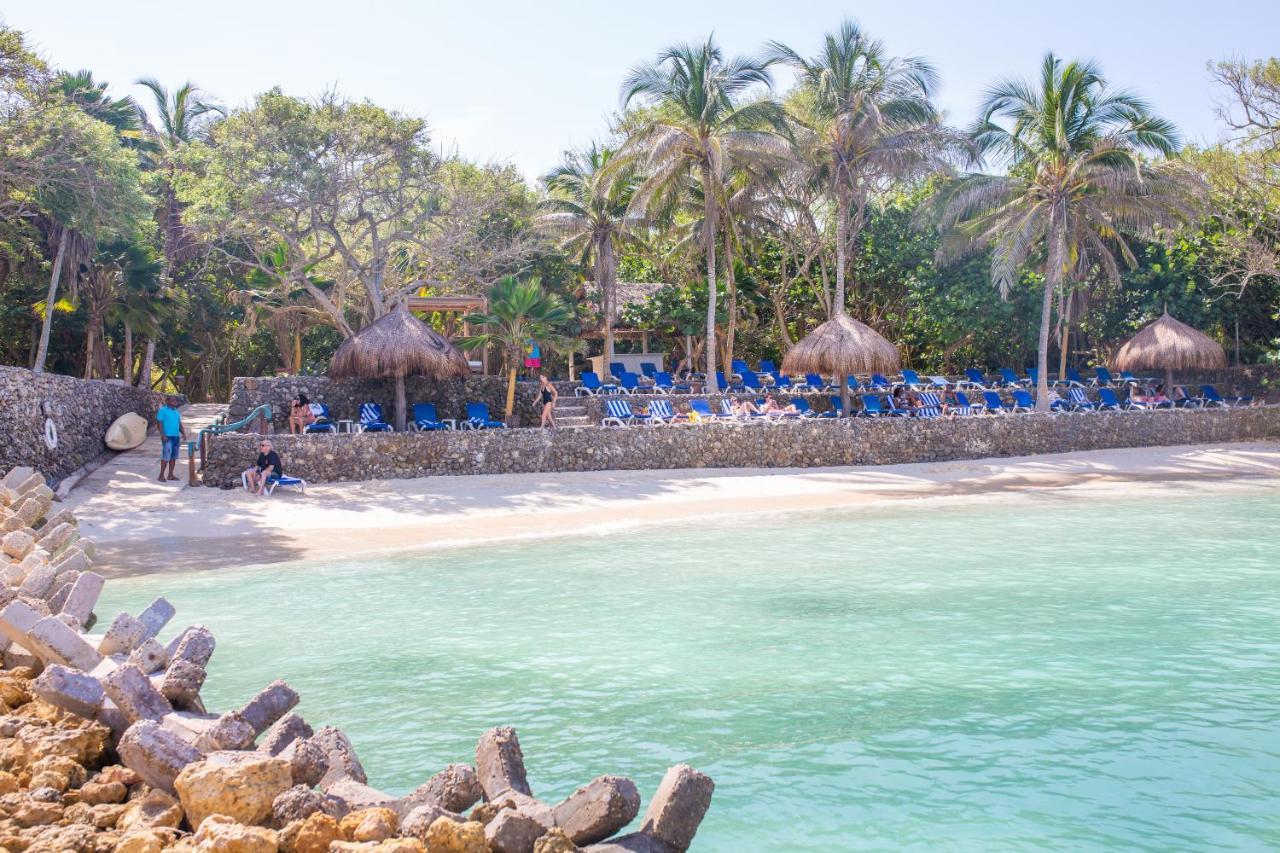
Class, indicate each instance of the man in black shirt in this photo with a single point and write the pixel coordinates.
(267, 466)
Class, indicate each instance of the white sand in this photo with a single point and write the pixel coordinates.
(141, 525)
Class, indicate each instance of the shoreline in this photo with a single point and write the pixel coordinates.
(143, 527)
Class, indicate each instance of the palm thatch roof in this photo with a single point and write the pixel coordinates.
(398, 344)
(842, 346)
(1171, 345)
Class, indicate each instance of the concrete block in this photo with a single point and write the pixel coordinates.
(272, 702)
(156, 616)
(181, 683)
(341, 756)
(598, 809)
(308, 761)
(60, 590)
(123, 635)
(284, 731)
(17, 619)
(54, 539)
(17, 544)
(135, 695)
(16, 656)
(156, 754)
(73, 559)
(357, 795)
(455, 788)
(83, 596)
(13, 574)
(513, 832)
(229, 732)
(57, 642)
(678, 806)
(69, 690)
(17, 475)
(149, 657)
(500, 763)
(196, 644)
(39, 581)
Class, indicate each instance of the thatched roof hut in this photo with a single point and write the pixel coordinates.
(393, 347)
(1170, 345)
(842, 346)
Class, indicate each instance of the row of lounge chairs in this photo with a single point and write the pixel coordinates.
(768, 377)
(930, 404)
(425, 419)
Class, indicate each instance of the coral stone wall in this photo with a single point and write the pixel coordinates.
(802, 444)
(80, 409)
(344, 398)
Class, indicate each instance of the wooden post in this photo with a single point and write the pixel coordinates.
(191, 464)
(204, 443)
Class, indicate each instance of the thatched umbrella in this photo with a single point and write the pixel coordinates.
(842, 346)
(395, 346)
(1170, 345)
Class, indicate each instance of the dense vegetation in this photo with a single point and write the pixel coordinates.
(185, 244)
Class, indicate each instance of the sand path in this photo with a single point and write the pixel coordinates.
(141, 525)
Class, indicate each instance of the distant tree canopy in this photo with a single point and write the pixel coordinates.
(184, 244)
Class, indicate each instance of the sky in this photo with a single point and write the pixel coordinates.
(520, 81)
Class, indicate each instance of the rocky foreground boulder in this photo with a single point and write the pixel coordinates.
(107, 745)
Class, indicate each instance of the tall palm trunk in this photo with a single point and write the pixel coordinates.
(148, 356)
(511, 392)
(126, 368)
(606, 282)
(731, 302)
(1052, 278)
(842, 252)
(709, 243)
(42, 352)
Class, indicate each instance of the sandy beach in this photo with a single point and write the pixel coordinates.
(141, 526)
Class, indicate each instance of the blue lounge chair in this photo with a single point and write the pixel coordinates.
(591, 385)
(751, 381)
(323, 423)
(877, 382)
(702, 409)
(1107, 401)
(930, 405)
(1073, 379)
(892, 408)
(726, 411)
(963, 407)
(1078, 402)
(872, 407)
(974, 379)
(1209, 396)
(992, 404)
(276, 480)
(726, 384)
(371, 418)
(648, 368)
(814, 382)
(478, 418)
(1022, 401)
(1102, 376)
(1009, 378)
(767, 366)
(1126, 376)
(783, 382)
(663, 382)
(803, 407)
(738, 367)
(629, 383)
(616, 369)
(425, 418)
(912, 380)
(619, 413)
(1033, 376)
(660, 412)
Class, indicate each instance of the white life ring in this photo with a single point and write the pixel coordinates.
(50, 434)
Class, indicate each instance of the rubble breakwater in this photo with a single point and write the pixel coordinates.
(106, 743)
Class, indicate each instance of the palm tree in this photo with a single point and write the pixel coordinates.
(519, 311)
(865, 120)
(91, 96)
(588, 206)
(1076, 183)
(699, 130)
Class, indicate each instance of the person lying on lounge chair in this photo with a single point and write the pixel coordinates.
(744, 408)
(773, 407)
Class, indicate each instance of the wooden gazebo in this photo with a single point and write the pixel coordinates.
(453, 308)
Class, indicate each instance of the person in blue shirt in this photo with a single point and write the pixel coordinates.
(172, 433)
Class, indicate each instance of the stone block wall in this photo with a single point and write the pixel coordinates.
(799, 444)
(80, 409)
(344, 398)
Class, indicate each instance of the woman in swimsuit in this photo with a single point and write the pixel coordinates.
(549, 395)
(300, 415)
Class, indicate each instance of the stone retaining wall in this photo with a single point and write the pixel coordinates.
(81, 411)
(803, 444)
(344, 398)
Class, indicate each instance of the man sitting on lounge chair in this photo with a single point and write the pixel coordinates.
(267, 466)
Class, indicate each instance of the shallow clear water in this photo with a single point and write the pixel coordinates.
(1030, 671)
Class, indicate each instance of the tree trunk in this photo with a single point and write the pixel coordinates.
(731, 303)
(606, 282)
(88, 349)
(709, 244)
(148, 356)
(1053, 275)
(1064, 316)
(1168, 382)
(297, 352)
(400, 404)
(511, 394)
(842, 237)
(42, 352)
(126, 369)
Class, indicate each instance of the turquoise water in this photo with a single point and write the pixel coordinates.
(1030, 671)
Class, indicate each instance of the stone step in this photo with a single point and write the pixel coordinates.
(579, 420)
